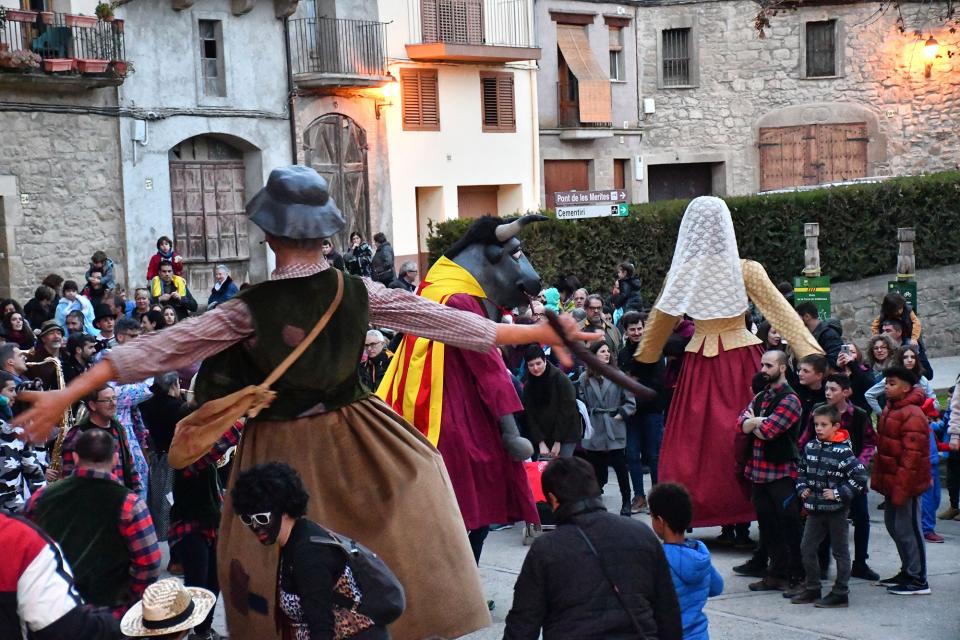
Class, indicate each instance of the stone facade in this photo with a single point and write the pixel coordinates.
(938, 294)
(62, 198)
(742, 82)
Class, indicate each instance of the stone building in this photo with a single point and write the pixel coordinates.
(588, 95)
(418, 110)
(834, 92)
(102, 157)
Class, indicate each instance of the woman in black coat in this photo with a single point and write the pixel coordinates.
(358, 257)
(381, 268)
(550, 407)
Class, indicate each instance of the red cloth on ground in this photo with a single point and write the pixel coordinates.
(697, 449)
(477, 390)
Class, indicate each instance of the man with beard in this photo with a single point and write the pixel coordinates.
(80, 351)
(773, 419)
(49, 346)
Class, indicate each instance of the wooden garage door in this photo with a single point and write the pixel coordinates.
(812, 154)
(564, 175)
(209, 222)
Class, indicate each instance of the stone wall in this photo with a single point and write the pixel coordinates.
(66, 200)
(745, 82)
(938, 294)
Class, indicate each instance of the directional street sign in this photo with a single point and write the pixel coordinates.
(577, 205)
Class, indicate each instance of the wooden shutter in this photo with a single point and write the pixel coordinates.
(453, 21)
(421, 99)
(498, 109)
(186, 193)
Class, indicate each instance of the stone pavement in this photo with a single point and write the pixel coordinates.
(740, 614)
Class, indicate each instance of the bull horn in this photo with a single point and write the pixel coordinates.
(508, 230)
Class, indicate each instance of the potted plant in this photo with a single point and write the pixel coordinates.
(73, 20)
(92, 65)
(21, 15)
(121, 68)
(104, 11)
(21, 59)
(58, 65)
(48, 17)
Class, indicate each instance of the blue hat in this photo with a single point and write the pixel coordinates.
(296, 204)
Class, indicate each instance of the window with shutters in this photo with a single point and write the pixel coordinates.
(453, 21)
(617, 70)
(211, 57)
(676, 58)
(821, 41)
(421, 100)
(498, 109)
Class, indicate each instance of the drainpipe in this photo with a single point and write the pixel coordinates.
(291, 104)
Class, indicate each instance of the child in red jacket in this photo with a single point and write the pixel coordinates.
(901, 472)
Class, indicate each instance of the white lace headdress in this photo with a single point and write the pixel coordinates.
(705, 279)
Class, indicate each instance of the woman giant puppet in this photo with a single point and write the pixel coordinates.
(710, 283)
(370, 475)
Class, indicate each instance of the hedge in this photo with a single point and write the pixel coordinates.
(858, 236)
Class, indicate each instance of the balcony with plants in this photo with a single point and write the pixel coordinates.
(486, 31)
(331, 53)
(47, 51)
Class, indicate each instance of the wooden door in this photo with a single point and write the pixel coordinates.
(812, 154)
(336, 147)
(209, 221)
(620, 174)
(564, 175)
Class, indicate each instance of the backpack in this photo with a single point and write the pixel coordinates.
(381, 594)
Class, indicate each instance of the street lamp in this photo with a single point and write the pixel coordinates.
(931, 51)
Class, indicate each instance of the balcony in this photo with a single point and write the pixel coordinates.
(569, 115)
(331, 53)
(62, 52)
(490, 31)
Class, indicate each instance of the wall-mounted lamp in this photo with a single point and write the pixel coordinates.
(387, 95)
(931, 51)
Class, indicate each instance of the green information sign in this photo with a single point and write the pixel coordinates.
(906, 288)
(623, 208)
(815, 290)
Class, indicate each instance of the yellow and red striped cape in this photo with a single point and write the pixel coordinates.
(413, 383)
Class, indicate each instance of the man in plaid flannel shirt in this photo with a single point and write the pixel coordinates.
(774, 419)
(77, 513)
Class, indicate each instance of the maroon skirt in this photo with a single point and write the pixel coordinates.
(698, 440)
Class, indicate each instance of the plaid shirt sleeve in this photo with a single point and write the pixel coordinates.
(136, 527)
(227, 440)
(782, 419)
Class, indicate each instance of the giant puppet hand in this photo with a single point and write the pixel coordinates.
(516, 446)
(544, 333)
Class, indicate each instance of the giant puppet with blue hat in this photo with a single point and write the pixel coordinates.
(284, 354)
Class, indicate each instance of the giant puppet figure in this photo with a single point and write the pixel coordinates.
(462, 401)
(370, 474)
(710, 283)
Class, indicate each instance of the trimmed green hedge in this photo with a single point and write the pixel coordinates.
(858, 233)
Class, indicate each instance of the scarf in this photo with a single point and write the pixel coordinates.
(413, 383)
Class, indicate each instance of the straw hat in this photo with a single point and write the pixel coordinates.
(167, 607)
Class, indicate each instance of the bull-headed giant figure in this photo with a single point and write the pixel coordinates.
(464, 401)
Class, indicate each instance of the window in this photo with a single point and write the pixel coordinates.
(211, 58)
(421, 100)
(497, 104)
(821, 49)
(617, 70)
(676, 57)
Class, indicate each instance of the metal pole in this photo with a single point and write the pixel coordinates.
(291, 103)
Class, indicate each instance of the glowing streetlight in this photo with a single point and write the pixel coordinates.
(931, 51)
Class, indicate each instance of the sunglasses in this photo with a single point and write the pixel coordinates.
(262, 519)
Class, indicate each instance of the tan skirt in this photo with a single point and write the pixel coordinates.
(376, 479)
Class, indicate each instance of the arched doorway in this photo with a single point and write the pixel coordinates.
(336, 147)
(209, 221)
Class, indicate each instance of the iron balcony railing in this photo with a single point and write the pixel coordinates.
(58, 36)
(341, 47)
(503, 23)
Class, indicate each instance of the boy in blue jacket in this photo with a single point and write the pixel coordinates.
(694, 578)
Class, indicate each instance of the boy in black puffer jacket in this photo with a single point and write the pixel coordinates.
(830, 475)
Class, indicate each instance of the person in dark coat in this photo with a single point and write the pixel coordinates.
(564, 587)
(825, 333)
(332, 256)
(377, 360)
(41, 307)
(358, 256)
(550, 406)
(381, 267)
(223, 289)
(626, 293)
(407, 278)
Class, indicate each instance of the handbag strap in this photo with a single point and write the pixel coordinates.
(307, 341)
(613, 585)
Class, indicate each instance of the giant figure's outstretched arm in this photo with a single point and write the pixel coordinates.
(777, 310)
(656, 332)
